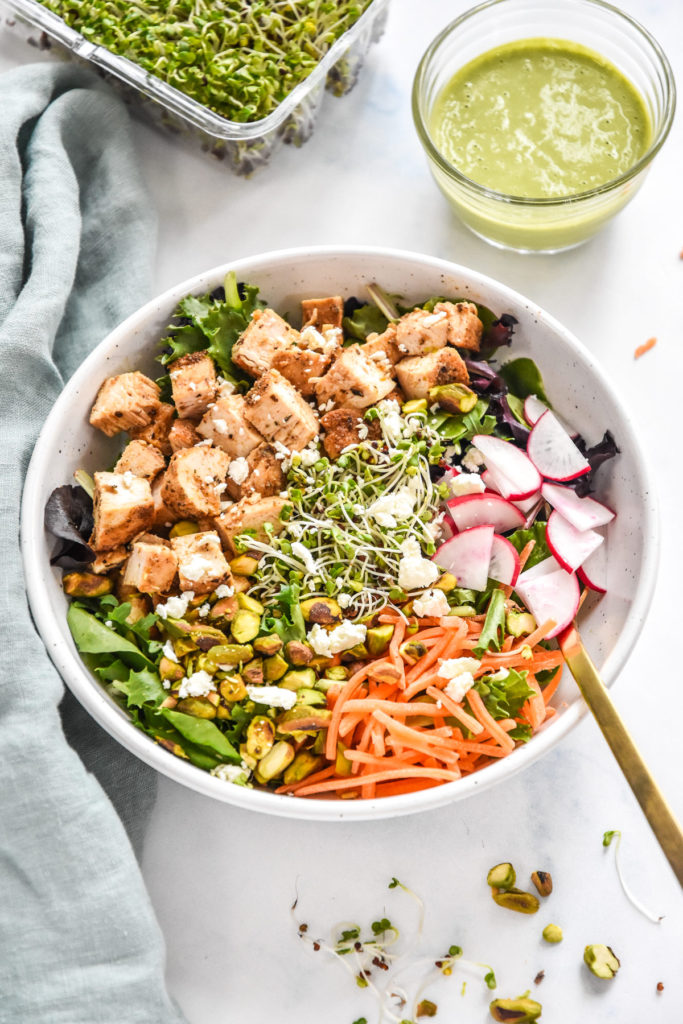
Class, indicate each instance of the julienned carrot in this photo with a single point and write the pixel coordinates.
(456, 711)
(480, 712)
(550, 688)
(346, 691)
(445, 774)
(534, 707)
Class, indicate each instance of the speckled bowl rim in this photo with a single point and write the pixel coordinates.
(87, 690)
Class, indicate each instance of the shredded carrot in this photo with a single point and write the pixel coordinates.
(645, 347)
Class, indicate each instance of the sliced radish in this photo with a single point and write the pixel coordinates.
(543, 568)
(446, 529)
(582, 513)
(593, 572)
(571, 547)
(533, 409)
(532, 513)
(554, 595)
(467, 556)
(495, 481)
(484, 510)
(511, 466)
(527, 504)
(504, 565)
(552, 451)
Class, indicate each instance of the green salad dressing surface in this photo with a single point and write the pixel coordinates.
(540, 118)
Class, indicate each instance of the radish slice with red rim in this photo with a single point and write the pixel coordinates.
(525, 506)
(593, 572)
(510, 465)
(467, 556)
(504, 565)
(582, 513)
(472, 510)
(571, 547)
(553, 595)
(552, 451)
(543, 568)
(497, 482)
(533, 409)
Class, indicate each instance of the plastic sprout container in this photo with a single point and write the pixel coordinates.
(552, 223)
(243, 146)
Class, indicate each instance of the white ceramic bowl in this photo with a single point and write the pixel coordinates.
(579, 389)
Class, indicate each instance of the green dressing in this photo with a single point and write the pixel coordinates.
(541, 118)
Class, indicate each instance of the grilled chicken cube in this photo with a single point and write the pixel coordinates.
(343, 427)
(417, 374)
(122, 507)
(383, 349)
(250, 515)
(226, 425)
(267, 334)
(141, 459)
(194, 481)
(464, 326)
(260, 473)
(420, 332)
(354, 380)
(105, 561)
(183, 434)
(126, 402)
(194, 383)
(327, 312)
(277, 410)
(157, 431)
(151, 567)
(301, 367)
(202, 566)
(163, 515)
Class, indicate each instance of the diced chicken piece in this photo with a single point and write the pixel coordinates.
(201, 563)
(277, 410)
(122, 507)
(183, 434)
(157, 431)
(301, 367)
(464, 326)
(327, 312)
(249, 516)
(267, 334)
(105, 561)
(260, 473)
(417, 374)
(343, 427)
(126, 402)
(227, 426)
(195, 481)
(382, 348)
(420, 332)
(354, 380)
(194, 383)
(152, 567)
(163, 515)
(141, 459)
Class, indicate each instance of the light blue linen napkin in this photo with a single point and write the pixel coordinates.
(79, 943)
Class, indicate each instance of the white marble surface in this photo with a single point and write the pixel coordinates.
(222, 880)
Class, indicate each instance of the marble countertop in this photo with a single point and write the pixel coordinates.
(222, 880)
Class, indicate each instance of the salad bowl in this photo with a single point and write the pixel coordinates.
(582, 396)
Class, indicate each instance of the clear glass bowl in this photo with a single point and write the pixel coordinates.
(546, 224)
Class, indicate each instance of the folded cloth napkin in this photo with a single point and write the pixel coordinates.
(79, 941)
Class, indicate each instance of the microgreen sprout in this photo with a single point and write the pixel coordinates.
(607, 839)
(239, 58)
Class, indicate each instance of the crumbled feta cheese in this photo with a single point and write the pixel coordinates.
(282, 453)
(452, 667)
(219, 488)
(467, 483)
(309, 456)
(342, 638)
(225, 505)
(284, 494)
(473, 460)
(109, 623)
(432, 602)
(238, 773)
(224, 590)
(197, 567)
(238, 470)
(168, 652)
(175, 607)
(326, 406)
(274, 696)
(497, 677)
(199, 684)
(204, 610)
(433, 318)
(362, 431)
(434, 528)
(414, 570)
(301, 552)
(458, 687)
(205, 443)
(391, 419)
(392, 508)
(344, 600)
(220, 426)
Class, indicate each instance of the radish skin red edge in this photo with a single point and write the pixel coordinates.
(553, 595)
(490, 509)
(552, 451)
(504, 565)
(571, 547)
(468, 556)
(583, 513)
(512, 469)
(593, 572)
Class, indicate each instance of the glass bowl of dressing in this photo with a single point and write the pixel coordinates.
(540, 118)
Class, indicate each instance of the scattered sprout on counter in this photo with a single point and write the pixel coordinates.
(607, 839)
